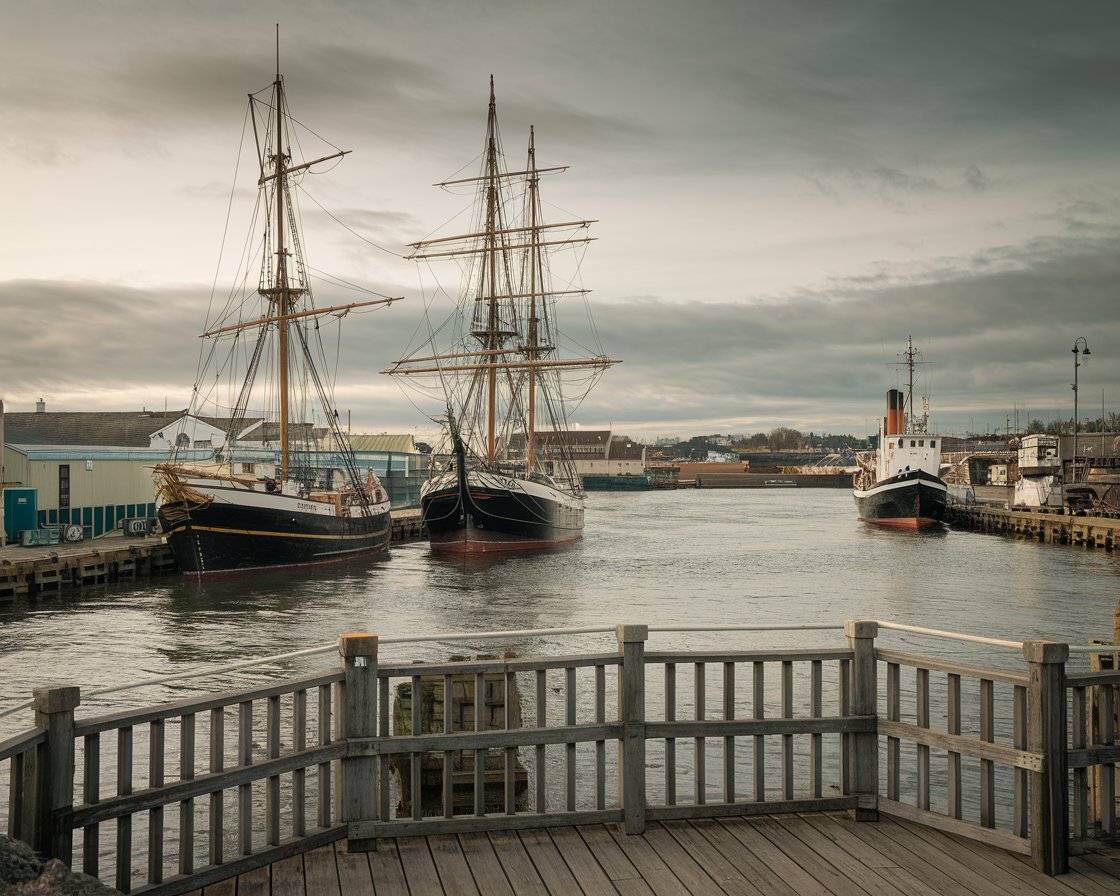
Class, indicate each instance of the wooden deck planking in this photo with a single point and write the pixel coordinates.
(807, 855)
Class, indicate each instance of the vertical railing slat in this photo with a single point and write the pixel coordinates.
(600, 745)
(1079, 741)
(124, 822)
(987, 766)
(787, 739)
(384, 771)
(700, 763)
(510, 720)
(1021, 821)
(541, 795)
(1107, 773)
(570, 746)
(245, 791)
(217, 764)
(186, 807)
(272, 786)
(156, 754)
(299, 775)
(448, 756)
(91, 793)
(953, 697)
(894, 714)
(758, 711)
(729, 742)
(816, 707)
(416, 698)
(670, 742)
(921, 688)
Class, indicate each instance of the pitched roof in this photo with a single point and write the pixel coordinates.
(118, 429)
(395, 444)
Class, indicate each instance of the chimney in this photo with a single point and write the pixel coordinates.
(40, 407)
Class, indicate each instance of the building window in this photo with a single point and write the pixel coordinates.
(182, 440)
(247, 468)
(63, 485)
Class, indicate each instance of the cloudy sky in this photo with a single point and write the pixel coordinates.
(785, 191)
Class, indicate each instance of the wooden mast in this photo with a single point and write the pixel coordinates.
(491, 228)
(282, 297)
(534, 273)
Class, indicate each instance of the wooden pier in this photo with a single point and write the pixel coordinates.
(849, 769)
(1051, 528)
(117, 557)
(781, 855)
(112, 558)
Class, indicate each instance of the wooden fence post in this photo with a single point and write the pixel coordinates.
(1046, 734)
(632, 714)
(863, 753)
(54, 710)
(357, 784)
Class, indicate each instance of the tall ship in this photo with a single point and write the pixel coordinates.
(282, 486)
(508, 480)
(899, 484)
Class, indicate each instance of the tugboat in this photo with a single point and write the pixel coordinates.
(899, 485)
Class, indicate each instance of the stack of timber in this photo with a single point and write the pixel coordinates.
(466, 711)
(1052, 528)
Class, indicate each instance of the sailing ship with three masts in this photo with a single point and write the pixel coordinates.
(505, 485)
(299, 496)
(899, 485)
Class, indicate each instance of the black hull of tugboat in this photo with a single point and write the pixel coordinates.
(913, 500)
(215, 539)
(492, 520)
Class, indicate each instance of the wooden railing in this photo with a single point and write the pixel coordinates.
(207, 788)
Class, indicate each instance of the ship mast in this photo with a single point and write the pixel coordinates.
(491, 241)
(535, 272)
(282, 297)
(910, 386)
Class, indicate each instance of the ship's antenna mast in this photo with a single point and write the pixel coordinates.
(910, 386)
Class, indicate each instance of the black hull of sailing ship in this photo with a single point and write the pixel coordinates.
(912, 500)
(217, 539)
(491, 520)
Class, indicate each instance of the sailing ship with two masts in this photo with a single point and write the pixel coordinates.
(506, 484)
(307, 501)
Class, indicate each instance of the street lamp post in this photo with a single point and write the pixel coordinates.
(1077, 353)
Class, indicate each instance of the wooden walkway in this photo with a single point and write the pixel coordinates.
(788, 855)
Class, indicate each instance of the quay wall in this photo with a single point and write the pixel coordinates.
(1051, 528)
(115, 557)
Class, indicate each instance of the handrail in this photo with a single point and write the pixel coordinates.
(22, 742)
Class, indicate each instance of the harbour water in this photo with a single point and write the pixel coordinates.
(663, 558)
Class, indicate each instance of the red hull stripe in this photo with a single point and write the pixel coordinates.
(456, 544)
(912, 523)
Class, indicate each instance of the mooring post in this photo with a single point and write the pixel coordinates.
(1046, 734)
(863, 756)
(357, 781)
(54, 710)
(632, 714)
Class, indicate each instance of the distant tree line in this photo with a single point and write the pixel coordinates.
(1108, 423)
(781, 439)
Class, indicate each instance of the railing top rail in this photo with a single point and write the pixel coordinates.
(22, 742)
(954, 636)
(191, 705)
